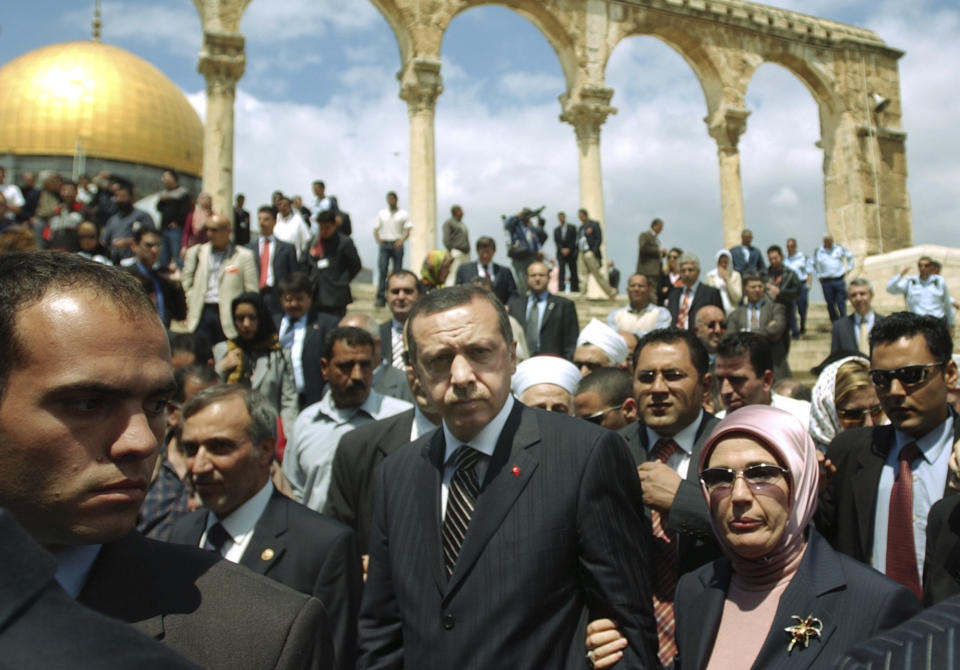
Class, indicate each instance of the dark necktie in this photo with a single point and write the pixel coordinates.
(665, 553)
(532, 327)
(901, 554)
(217, 536)
(464, 488)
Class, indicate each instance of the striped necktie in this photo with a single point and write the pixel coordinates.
(397, 349)
(665, 553)
(464, 489)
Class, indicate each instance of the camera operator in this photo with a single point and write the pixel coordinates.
(524, 241)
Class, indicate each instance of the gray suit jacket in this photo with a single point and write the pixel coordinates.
(273, 377)
(236, 274)
(844, 334)
(648, 256)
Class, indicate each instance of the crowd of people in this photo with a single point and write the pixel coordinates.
(476, 481)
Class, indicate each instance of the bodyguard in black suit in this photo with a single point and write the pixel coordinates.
(941, 566)
(846, 330)
(170, 299)
(555, 530)
(565, 237)
(283, 259)
(229, 437)
(559, 327)
(700, 294)
(504, 286)
(333, 263)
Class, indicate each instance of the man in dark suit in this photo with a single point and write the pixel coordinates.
(763, 316)
(589, 238)
(556, 328)
(684, 301)
(82, 408)
(273, 258)
(504, 286)
(650, 255)
(241, 221)
(229, 436)
(746, 256)
(403, 291)
(168, 295)
(865, 511)
(852, 332)
(565, 238)
(555, 531)
(669, 380)
(333, 262)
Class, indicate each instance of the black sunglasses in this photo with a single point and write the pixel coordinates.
(597, 417)
(757, 477)
(908, 375)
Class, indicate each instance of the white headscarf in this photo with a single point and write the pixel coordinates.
(824, 420)
(545, 370)
(601, 335)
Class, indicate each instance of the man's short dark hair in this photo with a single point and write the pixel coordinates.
(352, 337)
(124, 184)
(751, 275)
(907, 324)
(319, 182)
(583, 211)
(172, 173)
(442, 299)
(655, 222)
(27, 276)
(140, 231)
(405, 273)
(486, 243)
(326, 216)
(699, 355)
(269, 209)
(204, 374)
(393, 193)
(612, 385)
(193, 342)
(775, 247)
(755, 347)
(263, 416)
(295, 282)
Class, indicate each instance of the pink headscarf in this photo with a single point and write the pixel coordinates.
(787, 439)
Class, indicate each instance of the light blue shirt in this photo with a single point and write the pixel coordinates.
(831, 263)
(240, 524)
(799, 264)
(924, 296)
(73, 566)
(296, 345)
(929, 482)
(860, 321)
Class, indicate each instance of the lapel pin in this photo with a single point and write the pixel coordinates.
(515, 470)
(267, 554)
(803, 631)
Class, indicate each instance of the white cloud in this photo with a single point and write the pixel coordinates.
(276, 22)
(531, 84)
(785, 197)
(175, 29)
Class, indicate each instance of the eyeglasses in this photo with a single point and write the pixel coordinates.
(670, 376)
(758, 477)
(597, 417)
(908, 375)
(857, 414)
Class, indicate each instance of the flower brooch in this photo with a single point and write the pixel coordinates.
(803, 630)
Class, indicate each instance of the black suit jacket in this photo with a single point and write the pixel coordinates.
(174, 299)
(844, 335)
(354, 471)
(41, 626)
(594, 236)
(703, 296)
(558, 327)
(848, 504)
(331, 275)
(386, 340)
(853, 601)
(557, 532)
(217, 614)
(689, 516)
(504, 286)
(284, 262)
(306, 551)
(565, 237)
(941, 567)
(318, 325)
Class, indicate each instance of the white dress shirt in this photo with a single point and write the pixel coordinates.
(240, 524)
(679, 460)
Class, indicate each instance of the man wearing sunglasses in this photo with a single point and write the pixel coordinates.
(605, 397)
(876, 506)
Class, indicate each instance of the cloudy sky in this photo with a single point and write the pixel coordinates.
(319, 100)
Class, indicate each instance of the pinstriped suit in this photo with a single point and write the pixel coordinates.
(557, 533)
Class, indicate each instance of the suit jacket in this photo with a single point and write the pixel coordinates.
(273, 377)
(703, 296)
(174, 300)
(332, 274)
(237, 274)
(594, 236)
(770, 312)
(689, 516)
(41, 626)
(648, 256)
(306, 551)
(216, 614)
(388, 380)
(284, 262)
(853, 601)
(848, 504)
(557, 533)
(386, 340)
(941, 566)
(925, 642)
(504, 285)
(751, 261)
(844, 337)
(559, 327)
(354, 471)
(565, 237)
(318, 325)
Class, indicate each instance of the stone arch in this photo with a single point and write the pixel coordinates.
(400, 27)
(819, 85)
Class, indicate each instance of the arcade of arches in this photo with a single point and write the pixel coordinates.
(850, 72)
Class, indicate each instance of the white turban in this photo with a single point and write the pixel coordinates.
(601, 335)
(545, 370)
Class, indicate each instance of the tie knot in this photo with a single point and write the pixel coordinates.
(910, 452)
(217, 536)
(663, 450)
(466, 457)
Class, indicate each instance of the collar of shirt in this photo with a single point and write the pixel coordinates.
(541, 298)
(866, 318)
(396, 325)
(486, 440)
(327, 410)
(286, 323)
(931, 445)
(73, 566)
(693, 289)
(646, 309)
(685, 439)
(756, 305)
(240, 523)
(421, 425)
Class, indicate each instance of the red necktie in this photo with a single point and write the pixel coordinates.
(684, 309)
(901, 554)
(665, 553)
(264, 263)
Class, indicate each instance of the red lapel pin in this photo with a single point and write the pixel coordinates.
(515, 470)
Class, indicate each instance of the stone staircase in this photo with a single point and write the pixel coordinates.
(805, 353)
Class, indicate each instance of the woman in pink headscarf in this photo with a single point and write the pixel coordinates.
(781, 597)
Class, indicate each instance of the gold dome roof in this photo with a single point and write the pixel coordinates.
(117, 105)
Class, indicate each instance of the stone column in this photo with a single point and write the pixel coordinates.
(222, 61)
(725, 127)
(420, 84)
(586, 109)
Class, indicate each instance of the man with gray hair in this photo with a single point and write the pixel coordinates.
(684, 301)
(229, 437)
(852, 333)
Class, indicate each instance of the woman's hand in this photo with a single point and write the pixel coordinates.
(605, 643)
(229, 362)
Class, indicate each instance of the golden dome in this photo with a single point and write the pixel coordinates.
(117, 105)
